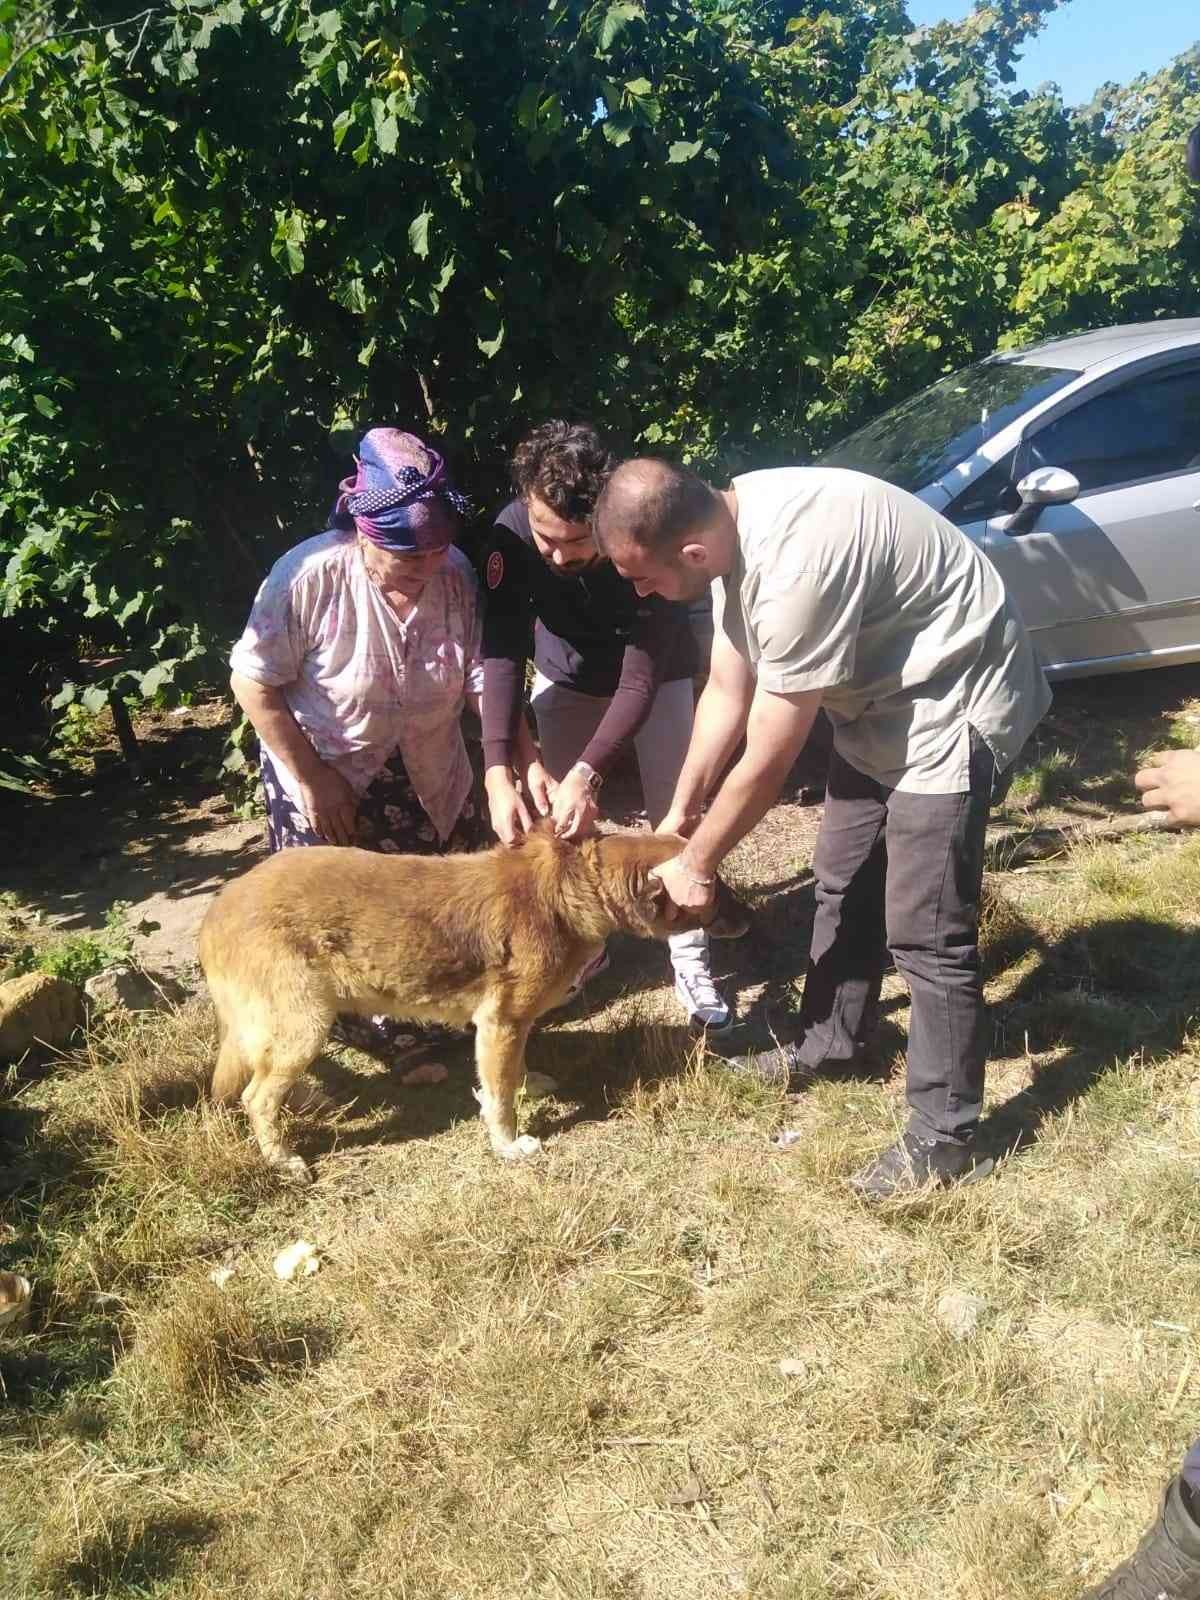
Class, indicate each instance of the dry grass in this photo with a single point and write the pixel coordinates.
(562, 1380)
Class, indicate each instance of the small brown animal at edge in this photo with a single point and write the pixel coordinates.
(495, 938)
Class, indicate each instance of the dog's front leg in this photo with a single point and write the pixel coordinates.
(500, 1060)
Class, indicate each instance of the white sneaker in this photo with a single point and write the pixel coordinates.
(699, 995)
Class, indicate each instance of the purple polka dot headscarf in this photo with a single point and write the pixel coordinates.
(395, 504)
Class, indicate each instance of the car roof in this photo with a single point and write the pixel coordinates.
(1078, 351)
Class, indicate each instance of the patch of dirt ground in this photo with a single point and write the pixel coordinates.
(164, 842)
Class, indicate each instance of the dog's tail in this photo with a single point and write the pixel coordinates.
(232, 1072)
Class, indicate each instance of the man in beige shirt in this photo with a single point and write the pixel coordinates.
(832, 589)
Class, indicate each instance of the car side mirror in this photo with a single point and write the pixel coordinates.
(1044, 486)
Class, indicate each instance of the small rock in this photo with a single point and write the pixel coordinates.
(221, 1276)
(427, 1072)
(540, 1086)
(15, 1295)
(959, 1313)
(793, 1367)
(125, 988)
(37, 1010)
(299, 1260)
(786, 1138)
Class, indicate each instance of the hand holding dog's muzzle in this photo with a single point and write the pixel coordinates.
(685, 891)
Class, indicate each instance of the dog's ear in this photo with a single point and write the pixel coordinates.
(650, 893)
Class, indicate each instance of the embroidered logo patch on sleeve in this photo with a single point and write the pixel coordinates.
(495, 570)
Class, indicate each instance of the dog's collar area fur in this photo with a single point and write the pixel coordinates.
(614, 916)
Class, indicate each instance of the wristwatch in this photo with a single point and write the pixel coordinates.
(594, 780)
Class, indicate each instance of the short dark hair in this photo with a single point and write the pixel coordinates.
(566, 464)
(651, 503)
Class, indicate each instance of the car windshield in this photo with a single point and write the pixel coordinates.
(923, 437)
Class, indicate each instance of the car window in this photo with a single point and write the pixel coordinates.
(1141, 430)
(917, 441)
(992, 494)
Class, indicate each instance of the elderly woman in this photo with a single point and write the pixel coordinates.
(361, 651)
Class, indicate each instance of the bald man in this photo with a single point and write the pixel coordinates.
(834, 590)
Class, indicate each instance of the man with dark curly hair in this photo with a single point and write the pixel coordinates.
(610, 668)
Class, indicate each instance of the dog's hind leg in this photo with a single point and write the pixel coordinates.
(500, 1061)
(286, 1050)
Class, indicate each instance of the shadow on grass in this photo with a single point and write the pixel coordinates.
(376, 1108)
(594, 1067)
(34, 1379)
(1109, 991)
(131, 1555)
(78, 1254)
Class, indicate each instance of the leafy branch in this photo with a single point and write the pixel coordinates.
(144, 17)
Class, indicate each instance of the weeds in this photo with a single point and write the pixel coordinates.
(79, 733)
(238, 773)
(1043, 783)
(74, 956)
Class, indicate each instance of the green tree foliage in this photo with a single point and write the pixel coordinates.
(1124, 243)
(232, 232)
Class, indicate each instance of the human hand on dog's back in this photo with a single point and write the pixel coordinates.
(507, 811)
(574, 809)
(540, 787)
(686, 892)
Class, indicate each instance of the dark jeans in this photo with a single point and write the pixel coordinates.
(903, 873)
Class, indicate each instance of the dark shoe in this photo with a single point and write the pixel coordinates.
(1166, 1565)
(914, 1163)
(777, 1068)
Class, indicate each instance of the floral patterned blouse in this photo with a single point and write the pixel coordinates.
(360, 683)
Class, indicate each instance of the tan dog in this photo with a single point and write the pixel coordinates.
(494, 938)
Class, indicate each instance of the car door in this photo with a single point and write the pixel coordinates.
(1113, 578)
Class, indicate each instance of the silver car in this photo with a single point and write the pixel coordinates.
(1075, 465)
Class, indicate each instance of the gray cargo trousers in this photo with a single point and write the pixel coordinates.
(902, 873)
